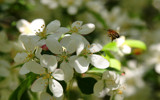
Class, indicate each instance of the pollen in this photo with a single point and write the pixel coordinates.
(74, 30)
(120, 92)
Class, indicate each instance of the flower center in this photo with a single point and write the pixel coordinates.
(43, 33)
(47, 75)
(74, 30)
(30, 56)
(63, 57)
(109, 82)
(119, 91)
(86, 51)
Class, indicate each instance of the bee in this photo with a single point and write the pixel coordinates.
(112, 34)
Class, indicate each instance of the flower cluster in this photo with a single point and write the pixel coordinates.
(56, 53)
(110, 84)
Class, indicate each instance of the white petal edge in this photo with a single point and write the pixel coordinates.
(69, 43)
(37, 24)
(24, 69)
(76, 24)
(98, 88)
(99, 61)
(80, 64)
(68, 71)
(58, 74)
(55, 88)
(87, 28)
(53, 26)
(39, 85)
(20, 57)
(49, 62)
(54, 46)
(95, 47)
(35, 67)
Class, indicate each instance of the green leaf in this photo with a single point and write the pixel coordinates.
(96, 70)
(86, 84)
(110, 46)
(17, 94)
(136, 44)
(114, 63)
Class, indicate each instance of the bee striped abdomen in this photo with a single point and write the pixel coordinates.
(112, 34)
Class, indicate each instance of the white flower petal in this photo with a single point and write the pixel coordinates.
(39, 85)
(41, 42)
(78, 42)
(95, 47)
(68, 71)
(54, 46)
(87, 28)
(53, 26)
(126, 49)
(80, 64)
(20, 57)
(77, 24)
(99, 61)
(157, 68)
(72, 10)
(56, 35)
(120, 41)
(109, 74)
(29, 42)
(58, 74)
(49, 62)
(35, 67)
(98, 88)
(69, 43)
(37, 24)
(55, 88)
(45, 96)
(62, 30)
(24, 69)
(38, 52)
(24, 27)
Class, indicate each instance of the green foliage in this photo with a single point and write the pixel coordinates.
(114, 63)
(136, 44)
(86, 84)
(110, 46)
(17, 94)
(96, 70)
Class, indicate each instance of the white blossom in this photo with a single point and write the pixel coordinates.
(123, 47)
(28, 28)
(30, 44)
(86, 56)
(49, 63)
(63, 51)
(110, 82)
